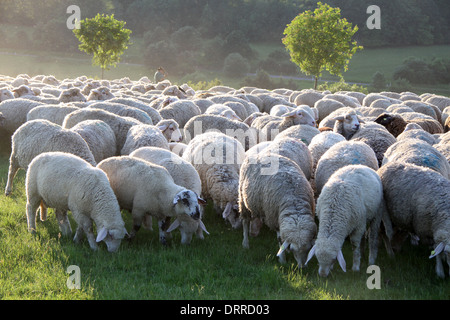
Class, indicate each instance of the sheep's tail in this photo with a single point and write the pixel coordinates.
(43, 210)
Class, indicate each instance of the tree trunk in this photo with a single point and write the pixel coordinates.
(103, 71)
(315, 82)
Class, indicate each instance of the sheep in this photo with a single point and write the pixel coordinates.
(270, 126)
(222, 110)
(417, 199)
(181, 111)
(425, 108)
(38, 136)
(326, 106)
(100, 93)
(5, 94)
(153, 113)
(414, 131)
(146, 189)
(347, 124)
(273, 188)
(71, 95)
(342, 154)
(50, 112)
(23, 91)
(302, 132)
(120, 125)
(170, 130)
(217, 159)
(439, 101)
(123, 110)
(99, 137)
(66, 182)
(375, 136)
(348, 101)
(183, 174)
(144, 135)
(249, 106)
(15, 113)
(419, 153)
(308, 97)
(270, 100)
(351, 199)
(320, 143)
(203, 123)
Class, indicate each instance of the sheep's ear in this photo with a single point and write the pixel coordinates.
(202, 226)
(283, 248)
(439, 248)
(338, 118)
(293, 113)
(360, 120)
(341, 260)
(311, 254)
(227, 210)
(102, 234)
(201, 201)
(163, 127)
(178, 197)
(173, 226)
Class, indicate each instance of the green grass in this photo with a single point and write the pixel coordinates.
(34, 266)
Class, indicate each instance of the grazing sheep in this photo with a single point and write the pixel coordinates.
(203, 123)
(350, 200)
(123, 111)
(146, 189)
(417, 200)
(282, 198)
(15, 112)
(120, 125)
(183, 174)
(39, 136)
(181, 111)
(144, 135)
(419, 153)
(320, 143)
(66, 182)
(342, 154)
(217, 159)
(51, 112)
(99, 137)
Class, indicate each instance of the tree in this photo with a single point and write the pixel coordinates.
(104, 37)
(378, 81)
(321, 40)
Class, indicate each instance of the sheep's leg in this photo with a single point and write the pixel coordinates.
(84, 226)
(245, 227)
(373, 240)
(63, 222)
(138, 217)
(355, 240)
(32, 206)
(163, 235)
(439, 266)
(13, 168)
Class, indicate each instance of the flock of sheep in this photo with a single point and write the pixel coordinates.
(313, 166)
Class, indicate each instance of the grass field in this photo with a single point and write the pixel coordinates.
(34, 266)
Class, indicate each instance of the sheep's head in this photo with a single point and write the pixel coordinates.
(112, 237)
(100, 93)
(394, 123)
(327, 253)
(187, 202)
(350, 121)
(71, 95)
(23, 90)
(300, 116)
(5, 94)
(297, 233)
(171, 130)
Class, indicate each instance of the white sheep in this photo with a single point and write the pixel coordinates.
(66, 182)
(222, 110)
(273, 189)
(183, 174)
(100, 93)
(347, 124)
(325, 107)
(144, 135)
(217, 159)
(39, 136)
(321, 142)
(350, 200)
(181, 111)
(123, 111)
(417, 199)
(146, 189)
(15, 112)
(51, 112)
(71, 95)
(99, 137)
(342, 154)
(302, 132)
(132, 102)
(5, 94)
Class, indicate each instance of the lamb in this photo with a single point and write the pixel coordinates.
(123, 111)
(417, 200)
(66, 182)
(99, 137)
(120, 125)
(51, 112)
(351, 199)
(342, 154)
(419, 153)
(181, 111)
(202, 123)
(39, 136)
(183, 174)
(144, 135)
(146, 189)
(282, 198)
(217, 159)
(15, 112)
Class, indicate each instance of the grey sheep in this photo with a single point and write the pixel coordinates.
(131, 102)
(273, 189)
(51, 112)
(15, 112)
(123, 111)
(39, 136)
(181, 111)
(417, 200)
(144, 135)
(66, 182)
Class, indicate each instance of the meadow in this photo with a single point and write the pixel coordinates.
(34, 267)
